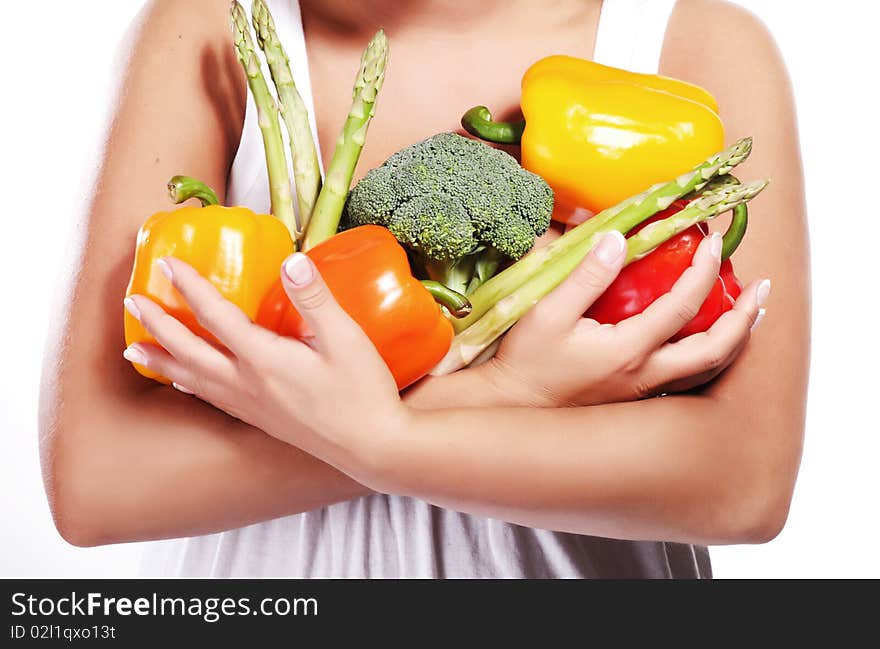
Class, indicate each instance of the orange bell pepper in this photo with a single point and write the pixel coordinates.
(237, 250)
(368, 273)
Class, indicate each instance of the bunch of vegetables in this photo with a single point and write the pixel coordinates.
(598, 134)
(457, 214)
(400, 314)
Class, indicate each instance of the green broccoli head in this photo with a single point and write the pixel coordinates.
(449, 196)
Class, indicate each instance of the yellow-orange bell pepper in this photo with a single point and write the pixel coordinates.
(238, 251)
(599, 134)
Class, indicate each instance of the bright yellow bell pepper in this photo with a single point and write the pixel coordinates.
(599, 134)
(238, 251)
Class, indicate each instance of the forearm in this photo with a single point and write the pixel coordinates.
(468, 388)
(162, 465)
(680, 468)
(127, 461)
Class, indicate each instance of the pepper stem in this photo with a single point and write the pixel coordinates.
(182, 188)
(478, 121)
(740, 220)
(456, 303)
(735, 231)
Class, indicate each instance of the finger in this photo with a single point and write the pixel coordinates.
(183, 378)
(666, 315)
(565, 305)
(700, 357)
(320, 311)
(697, 380)
(225, 320)
(189, 349)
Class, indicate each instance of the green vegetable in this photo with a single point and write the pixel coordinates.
(507, 297)
(306, 169)
(331, 200)
(462, 207)
(622, 217)
(267, 110)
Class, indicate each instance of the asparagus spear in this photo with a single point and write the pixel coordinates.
(738, 223)
(267, 110)
(468, 344)
(331, 200)
(306, 168)
(622, 217)
(708, 206)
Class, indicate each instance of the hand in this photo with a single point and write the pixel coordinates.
(330, 395)
(556, 357)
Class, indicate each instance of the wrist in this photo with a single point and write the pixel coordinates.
(466, 388)
(506, 387)
(376, 454)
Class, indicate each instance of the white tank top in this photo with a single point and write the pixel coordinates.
(399, 537)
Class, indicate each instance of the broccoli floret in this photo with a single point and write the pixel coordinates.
(459, 205)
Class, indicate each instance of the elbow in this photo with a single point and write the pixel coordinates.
(763, 521)
(756, 506)
(77, 532)
(753, 482)
(73, 493)
(754, 516)
(73, 510)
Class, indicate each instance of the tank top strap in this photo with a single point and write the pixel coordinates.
(248, 182)
(631, 34)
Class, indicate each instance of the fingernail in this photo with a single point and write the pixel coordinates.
(135, 354)
(610, 247)
(715, 244)
(758, 319)
(132, 307)
(762, 292)
(298, 269)
(180, 388)
(165, 268)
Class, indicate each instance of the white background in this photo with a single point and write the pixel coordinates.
(56, 74)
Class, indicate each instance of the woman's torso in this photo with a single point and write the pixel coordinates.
(393, 536)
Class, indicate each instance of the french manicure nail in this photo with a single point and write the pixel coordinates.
(165, 267)
(298, 269)
(135, 354)
(758, 319)
(715, 244)
(610, 247)
(132, 307)
(180, 388)
(762, 292)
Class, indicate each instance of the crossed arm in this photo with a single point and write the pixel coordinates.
(126, 460)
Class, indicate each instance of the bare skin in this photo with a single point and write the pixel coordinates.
(126, 460)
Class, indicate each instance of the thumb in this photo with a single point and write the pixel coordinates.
(313, 300)
(565, 304)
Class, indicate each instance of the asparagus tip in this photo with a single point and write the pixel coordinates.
(373, 62)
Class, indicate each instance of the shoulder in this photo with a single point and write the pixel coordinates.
(729, 51)
(193, 16)
(166, 30)
(704, 36)
(181, 53)
(170, 30)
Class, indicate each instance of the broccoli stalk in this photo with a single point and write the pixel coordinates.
(466, 274)
(459, 206)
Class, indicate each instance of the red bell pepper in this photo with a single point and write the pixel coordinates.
(644, 280)
(368, 273)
